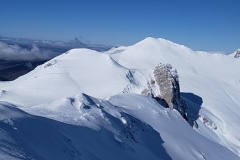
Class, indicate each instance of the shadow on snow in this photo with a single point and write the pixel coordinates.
(194, 103)
(34, 137)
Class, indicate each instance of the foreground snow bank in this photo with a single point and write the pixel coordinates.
(130, 126)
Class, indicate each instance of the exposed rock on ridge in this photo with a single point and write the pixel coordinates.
(164, 86)
(237, 54)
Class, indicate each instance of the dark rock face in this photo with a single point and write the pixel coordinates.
(237, 54)
(10, 70)
(165, 88)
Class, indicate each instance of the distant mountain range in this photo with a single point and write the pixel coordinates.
(55, 46)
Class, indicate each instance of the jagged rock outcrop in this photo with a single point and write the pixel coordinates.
(237, 54)
(164, 86)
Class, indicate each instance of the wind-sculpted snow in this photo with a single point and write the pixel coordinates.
(86, 104)
(130, 126)
(102, 132)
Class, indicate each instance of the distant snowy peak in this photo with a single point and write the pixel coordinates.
(149, 52)
(162, 42)
(159, 45)
(152, 43)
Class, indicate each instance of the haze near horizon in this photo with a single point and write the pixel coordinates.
(199, 25)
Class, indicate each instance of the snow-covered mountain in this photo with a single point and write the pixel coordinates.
(86, 104)
(20, 56)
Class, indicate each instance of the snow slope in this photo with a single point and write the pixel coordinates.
(130, 127)
(212, 77)
(77, 71)
(24, 136)
(62, 92)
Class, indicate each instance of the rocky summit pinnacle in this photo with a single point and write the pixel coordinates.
(164, 86)
(237, 54)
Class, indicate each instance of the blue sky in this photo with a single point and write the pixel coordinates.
(212, 25)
